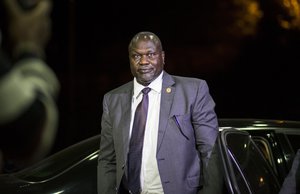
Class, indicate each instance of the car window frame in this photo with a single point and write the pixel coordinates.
(229, 163)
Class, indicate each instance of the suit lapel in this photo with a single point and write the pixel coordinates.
(167, 95)
(126, 117)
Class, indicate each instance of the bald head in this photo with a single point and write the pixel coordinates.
(145, 36)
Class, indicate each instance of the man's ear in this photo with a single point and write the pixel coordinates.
(163, 56)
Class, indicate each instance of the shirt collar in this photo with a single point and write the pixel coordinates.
(155, 85)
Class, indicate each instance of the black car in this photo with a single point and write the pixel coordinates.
(253, 156)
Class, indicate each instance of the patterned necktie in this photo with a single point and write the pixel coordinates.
(136, 144)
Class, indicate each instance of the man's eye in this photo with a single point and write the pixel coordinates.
(136, 56)
(150, 55)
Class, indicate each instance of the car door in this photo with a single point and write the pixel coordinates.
(245, 170)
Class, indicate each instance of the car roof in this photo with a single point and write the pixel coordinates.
(284, 126)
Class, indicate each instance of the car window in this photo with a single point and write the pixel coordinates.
(294, 139)
(249, 171)
(265, 148)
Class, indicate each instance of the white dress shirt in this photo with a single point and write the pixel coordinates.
(150, 179)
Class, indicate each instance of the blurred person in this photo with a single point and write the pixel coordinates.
(28, 87)
(179, 121)
(291, 183)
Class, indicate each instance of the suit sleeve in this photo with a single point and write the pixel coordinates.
(205, 123)
(107, 158)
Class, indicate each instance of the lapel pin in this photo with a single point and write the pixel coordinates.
(168, 90)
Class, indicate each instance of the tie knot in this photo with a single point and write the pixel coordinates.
(146, 90)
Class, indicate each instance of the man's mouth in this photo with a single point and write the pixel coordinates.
(144, 71)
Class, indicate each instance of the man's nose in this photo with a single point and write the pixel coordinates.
(144, 59)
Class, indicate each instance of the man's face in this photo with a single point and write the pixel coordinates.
(146, 61)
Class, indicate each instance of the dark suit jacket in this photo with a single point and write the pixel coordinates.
(291, 184)
(187, 131)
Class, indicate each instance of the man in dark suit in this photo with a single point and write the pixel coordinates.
(180, 130)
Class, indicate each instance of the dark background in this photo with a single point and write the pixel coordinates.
(247, 51)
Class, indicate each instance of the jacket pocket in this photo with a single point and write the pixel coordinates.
(184, 125)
